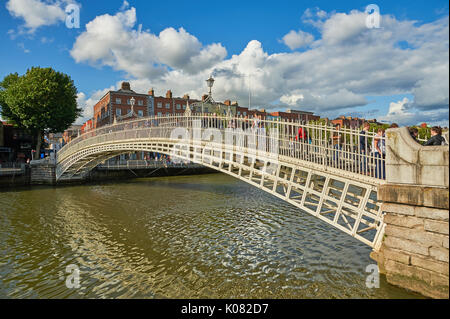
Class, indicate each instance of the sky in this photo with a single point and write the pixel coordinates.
(330, 57)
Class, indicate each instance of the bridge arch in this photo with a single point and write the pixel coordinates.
(342, 198)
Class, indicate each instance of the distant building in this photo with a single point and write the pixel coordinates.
(116, 104)
(17, 144)
(71, 133)
(351, 122)
(87, 126)
(295, 115)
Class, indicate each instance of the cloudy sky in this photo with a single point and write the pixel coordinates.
(323, 56)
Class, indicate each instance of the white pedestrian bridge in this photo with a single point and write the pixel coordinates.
(329, 173)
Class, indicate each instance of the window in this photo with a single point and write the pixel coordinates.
(159, 105)
(184, 106)
(167, 105)
(178, 106)
(245, 113)
(119, 112)
(118, 101)
(141, 113)
(128, 102)
(238, 112)
(159, 114)
(140, 102)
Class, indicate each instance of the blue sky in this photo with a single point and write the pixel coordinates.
(215, 31)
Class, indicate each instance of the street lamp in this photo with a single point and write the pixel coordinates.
(210, 83)
(132, 101)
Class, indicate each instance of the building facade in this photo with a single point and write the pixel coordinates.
(17, 143)
(117, 105)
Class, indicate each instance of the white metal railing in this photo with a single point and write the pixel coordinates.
(143, 164)
(345, 149)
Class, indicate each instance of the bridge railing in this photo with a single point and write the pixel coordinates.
(345, 149)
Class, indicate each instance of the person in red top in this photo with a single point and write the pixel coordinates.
(302, 138)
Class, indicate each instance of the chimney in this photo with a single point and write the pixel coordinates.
(235, 103)
(169, 94)
(227, 102)
(151, 92)
(126, 86)
(186, 97)
(204, 97)
(263, 110)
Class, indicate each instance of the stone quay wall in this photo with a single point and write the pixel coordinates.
(415, 250)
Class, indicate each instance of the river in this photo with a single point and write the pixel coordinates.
(207, 236)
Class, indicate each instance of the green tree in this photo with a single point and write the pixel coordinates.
(42, 100)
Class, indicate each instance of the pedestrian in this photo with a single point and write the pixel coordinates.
(379, 153)
(436, 137)
(364, 147)
(302, 139)
(291, 147)
(338, 140)
(414, 132)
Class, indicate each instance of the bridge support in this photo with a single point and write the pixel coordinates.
(414, 253)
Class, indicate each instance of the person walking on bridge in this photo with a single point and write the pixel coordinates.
(338, 140)
(302, 139)
(436, 137)
(364, 147)
(379, 152)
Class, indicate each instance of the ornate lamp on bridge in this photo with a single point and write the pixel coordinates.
(129, 114)
(210, 83)
(132, 102)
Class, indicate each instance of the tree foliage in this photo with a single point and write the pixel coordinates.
(42, 100)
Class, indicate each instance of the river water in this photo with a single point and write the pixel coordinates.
(207, 236)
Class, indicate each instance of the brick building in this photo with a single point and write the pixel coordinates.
(116, 104)
(351, 122)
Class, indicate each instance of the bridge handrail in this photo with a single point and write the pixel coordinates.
(346, 153)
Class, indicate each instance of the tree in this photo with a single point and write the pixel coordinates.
(41, 100)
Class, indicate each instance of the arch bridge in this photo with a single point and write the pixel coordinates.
(329, 173)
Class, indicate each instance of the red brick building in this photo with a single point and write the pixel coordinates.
(116, 104)
(169, 104)
(351, 122)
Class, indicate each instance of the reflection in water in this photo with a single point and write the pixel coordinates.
(207, 236)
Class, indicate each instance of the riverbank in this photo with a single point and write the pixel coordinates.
(23, 177)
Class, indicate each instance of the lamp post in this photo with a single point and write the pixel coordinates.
(132, 101)
(209, 83)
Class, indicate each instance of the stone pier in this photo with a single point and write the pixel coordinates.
(43, 172)
(414, 253)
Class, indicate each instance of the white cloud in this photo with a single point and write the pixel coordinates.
(404, 113)
(113, 41)
(297, 39)
(36, 13)
(340, 69)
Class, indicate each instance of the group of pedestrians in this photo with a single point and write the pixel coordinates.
(435, 139)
